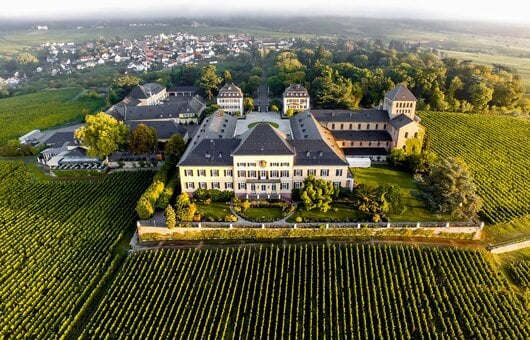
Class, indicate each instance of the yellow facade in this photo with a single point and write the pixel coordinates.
(262, 176)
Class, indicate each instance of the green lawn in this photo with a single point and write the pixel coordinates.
(344, 212)
(215, 210)
(386, 174)
(251, 125)
(510, 230)
(268, 213)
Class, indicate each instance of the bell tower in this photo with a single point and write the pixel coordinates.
(400, 101)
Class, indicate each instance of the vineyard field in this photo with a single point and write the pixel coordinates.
(56, 245)
(520, 273)
(496, 150)
(42, 110)
(309, 291)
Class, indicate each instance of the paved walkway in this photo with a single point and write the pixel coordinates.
(284, 125)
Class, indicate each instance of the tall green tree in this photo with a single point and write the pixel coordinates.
(26, 61)
(126, 82)
(481, 95)
(26, 58)
(171, 217)
(175, 146)
(317, 193)
(102, 135)
(375, 85)
(253, 83)
(184, 208)
(143, 139)
(248, 104)
(227, 77)
(112, 97)
(209, 81)
(185, 75)
(449, 189)
(331, 90)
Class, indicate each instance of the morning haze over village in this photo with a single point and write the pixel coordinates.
(196, 170)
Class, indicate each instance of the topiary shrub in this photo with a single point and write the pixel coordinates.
(230, 218)
(144, 208)
(171, 219)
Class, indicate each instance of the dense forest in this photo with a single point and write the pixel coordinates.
(348, 74)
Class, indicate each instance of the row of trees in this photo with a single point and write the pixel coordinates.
(360, 73)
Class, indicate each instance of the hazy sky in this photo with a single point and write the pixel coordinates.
(516, 11)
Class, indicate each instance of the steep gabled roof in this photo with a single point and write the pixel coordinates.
(263, 139)
(400, 93)
(230, 90)
(305, 126)
(184, 88)
(145, 91)
(316, 152)
(357, 116)
(165, 129)
(168, 109)
(400, 121)
(210, 152)
(295, 90)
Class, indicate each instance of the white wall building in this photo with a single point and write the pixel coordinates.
(230, 99)
(295, 97)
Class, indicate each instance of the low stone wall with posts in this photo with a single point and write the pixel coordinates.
(509, 246)
(472, 230)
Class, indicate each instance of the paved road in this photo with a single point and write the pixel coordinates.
(263, 94)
